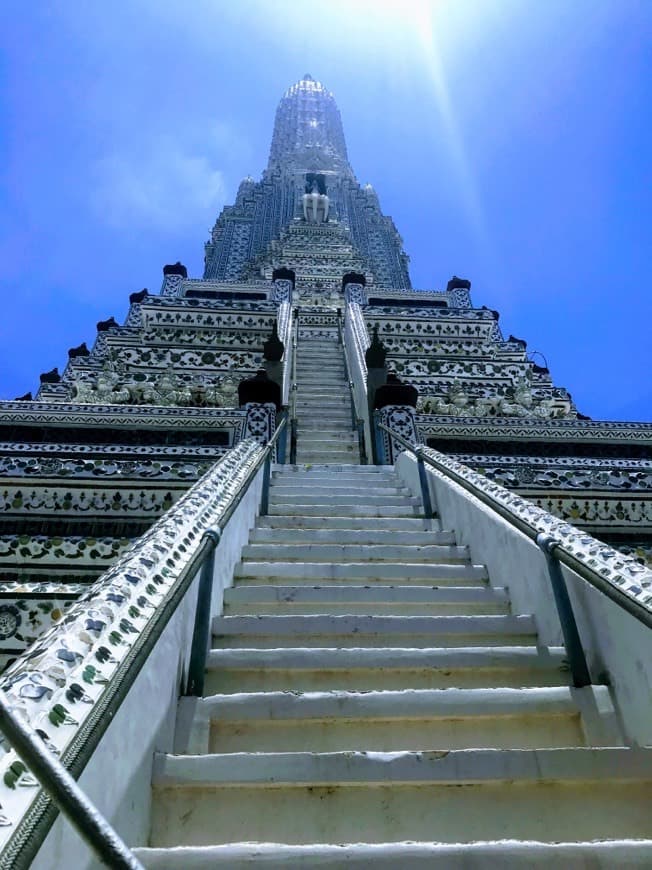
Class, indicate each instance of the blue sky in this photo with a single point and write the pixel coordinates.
(510, 140)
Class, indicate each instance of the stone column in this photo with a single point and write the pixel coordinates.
(260, 422)
(354, 292)
(401, 419)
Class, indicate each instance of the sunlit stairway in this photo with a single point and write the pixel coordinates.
(371, 702)
(323, 403)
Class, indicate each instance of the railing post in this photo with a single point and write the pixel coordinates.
(354, 416)
(293, 426)
(264, 496)
(572, 641)
(65, 792)
(281, 444)
(201, 630)
(378, 439)
(361, 442)
(425, 488)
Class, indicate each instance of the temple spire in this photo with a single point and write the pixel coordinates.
(308, 134)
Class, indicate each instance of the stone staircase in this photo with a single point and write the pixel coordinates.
(323, 402)
(372, 702)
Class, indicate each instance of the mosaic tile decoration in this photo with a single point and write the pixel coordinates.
(59, 681)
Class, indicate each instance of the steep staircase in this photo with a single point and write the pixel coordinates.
(323, 403)
(372, 702)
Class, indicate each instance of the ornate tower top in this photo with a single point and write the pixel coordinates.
(308, 213)
(308, 134)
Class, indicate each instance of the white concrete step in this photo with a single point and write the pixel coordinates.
(339, 432)
(316, 441)
(317, 382)
(319, 373)
(330, 391)
(401, 705)
(320, 367)
(433, 553)
(315, 401)
(309, 456)
(337, 402)
(344, 476)
(336, 419)
(313, 476)
(321, 376)
(329, 413)
(365, 510)
(279, 495)
(318, 424)
(329, 468)
(510, 855)
(376, 524)
(360, 630)
(321, 364)
(333, 431)
(548, 795)
(300, 489)
(346, 536)
(394, 600)
(368, 571)
(330, 356)
(352, 487)
(382, 668)
(385, 721)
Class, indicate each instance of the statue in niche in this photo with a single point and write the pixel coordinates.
(315, 200)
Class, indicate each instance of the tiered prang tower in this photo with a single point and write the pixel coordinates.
(213, 604)
(111, 443)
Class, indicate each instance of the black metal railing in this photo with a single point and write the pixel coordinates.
(293, 390)
(65, 793)
(357, 423)
(427, 498)
(553, 551)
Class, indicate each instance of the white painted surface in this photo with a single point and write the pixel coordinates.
(618, 647)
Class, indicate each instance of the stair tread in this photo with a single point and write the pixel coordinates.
(448, 767)
(348, 624)
(337, 658)
(350, 593)
(392, 704)
(407, 855)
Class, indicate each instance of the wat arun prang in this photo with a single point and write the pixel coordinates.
(143, 409)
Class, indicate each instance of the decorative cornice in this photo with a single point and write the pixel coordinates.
(70, 414)
(506, 428)
(37, 468)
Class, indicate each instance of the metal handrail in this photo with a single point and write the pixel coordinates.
(66, 794)
(555, 554)
(293, 390)
(357, 423)
(211, 538)
(429, 504)
(634, 608)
